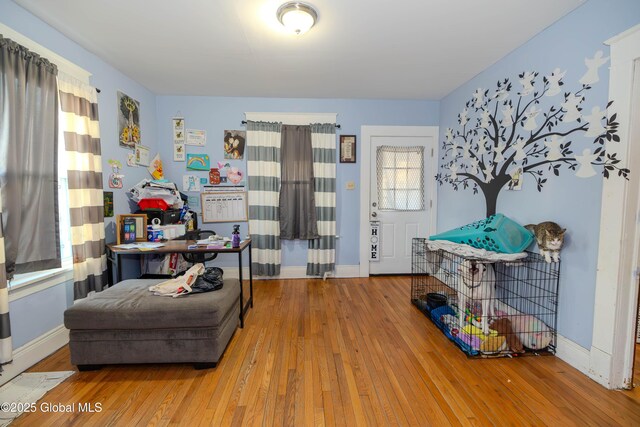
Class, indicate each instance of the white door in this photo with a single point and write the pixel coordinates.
(401, 194)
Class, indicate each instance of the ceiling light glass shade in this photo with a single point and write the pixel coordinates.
(297, 17)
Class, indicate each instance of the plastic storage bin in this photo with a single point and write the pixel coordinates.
(153, 204)
(496, 233)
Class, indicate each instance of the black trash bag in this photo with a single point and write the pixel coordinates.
(210, 280)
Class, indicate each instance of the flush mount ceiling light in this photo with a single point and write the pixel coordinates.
(297, 17)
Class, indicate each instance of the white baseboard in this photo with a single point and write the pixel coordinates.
(574, 354)
(344, 271)
(295, 272)
(600, 367)
(34, 351)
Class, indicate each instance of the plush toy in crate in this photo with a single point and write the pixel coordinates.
(533, 333)
(496, 233)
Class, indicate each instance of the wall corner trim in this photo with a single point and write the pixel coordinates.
(574, 354)
(595, 363)
(600, 368)
(616, 291)
(34, 351)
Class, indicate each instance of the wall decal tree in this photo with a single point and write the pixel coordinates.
(501, 135)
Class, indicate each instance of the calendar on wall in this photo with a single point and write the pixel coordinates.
(224, 207)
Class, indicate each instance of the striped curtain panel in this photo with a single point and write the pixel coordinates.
(79, 105)
(263, 170)
(6, 347)
(321, 257)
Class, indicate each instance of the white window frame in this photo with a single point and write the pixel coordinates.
(395, 168)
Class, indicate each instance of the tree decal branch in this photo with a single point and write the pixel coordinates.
(502, 131)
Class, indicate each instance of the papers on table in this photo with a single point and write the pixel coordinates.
(143, 246)
(213, 244)
(213, 240)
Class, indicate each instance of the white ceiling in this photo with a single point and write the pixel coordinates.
(402, 49)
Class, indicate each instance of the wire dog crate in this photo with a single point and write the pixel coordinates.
(488, 309)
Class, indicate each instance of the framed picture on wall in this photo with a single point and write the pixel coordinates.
(108, 203)
(131, 228)
(347, 148)
(142, 155)
(128, 121)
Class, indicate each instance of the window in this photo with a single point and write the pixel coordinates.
(73, 70)
(400, 173)
(63, 216)
(63, 200)
(297, 199)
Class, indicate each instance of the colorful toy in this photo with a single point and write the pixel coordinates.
(472, 330)
(469, 317)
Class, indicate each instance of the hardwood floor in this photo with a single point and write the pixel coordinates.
(338, 352)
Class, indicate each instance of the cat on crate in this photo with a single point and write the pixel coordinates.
(549, 237)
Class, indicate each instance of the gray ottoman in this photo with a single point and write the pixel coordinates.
(128, 324)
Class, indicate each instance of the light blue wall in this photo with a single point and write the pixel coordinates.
(48, 305)
(108, 80)
(215, 114)
(570, 201)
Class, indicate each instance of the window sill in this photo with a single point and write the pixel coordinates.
(28, 284)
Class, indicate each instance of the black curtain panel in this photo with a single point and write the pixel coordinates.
(297, 201)
(28, 159)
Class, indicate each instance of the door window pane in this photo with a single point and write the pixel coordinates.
(400, 178)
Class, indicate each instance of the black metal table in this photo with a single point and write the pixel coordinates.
(187, 246)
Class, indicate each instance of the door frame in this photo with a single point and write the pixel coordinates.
(368, 132)
(616, 297)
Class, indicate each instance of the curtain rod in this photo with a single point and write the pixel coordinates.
(244, 122)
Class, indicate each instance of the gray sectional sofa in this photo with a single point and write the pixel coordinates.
(128, 324)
